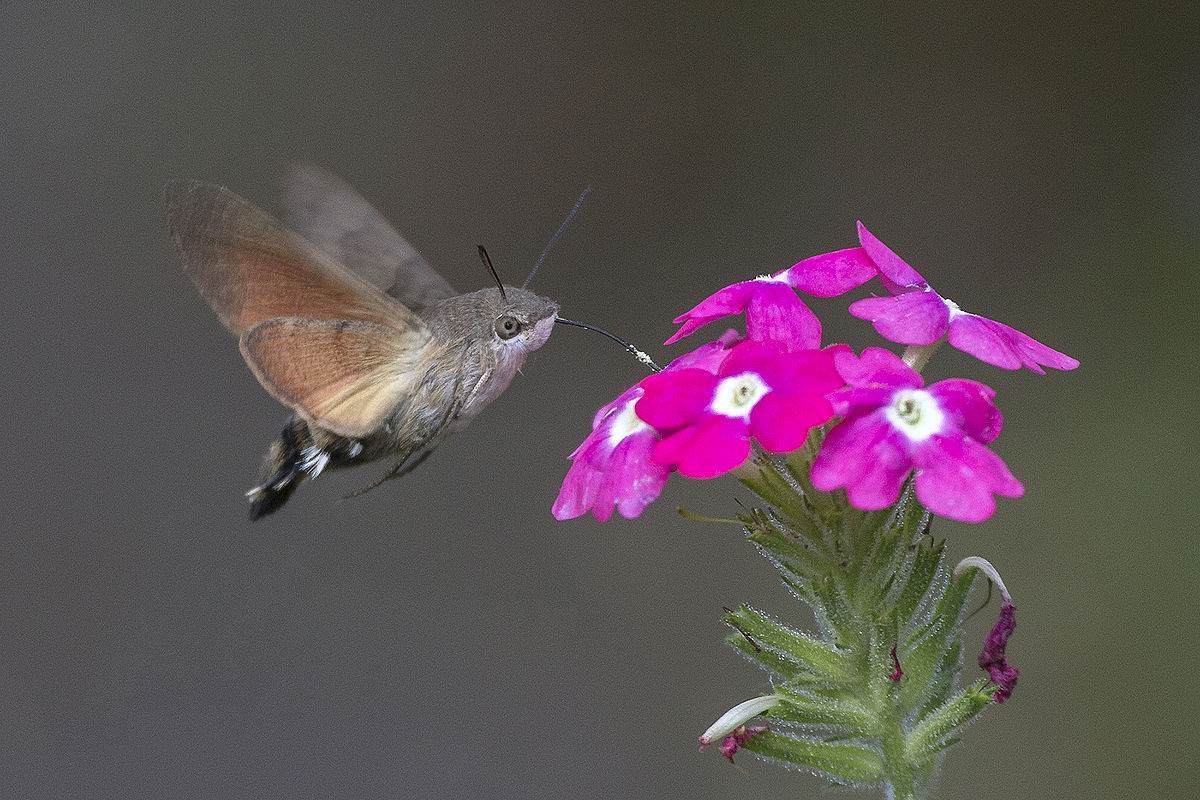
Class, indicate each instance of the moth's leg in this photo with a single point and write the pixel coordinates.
(427, 445)
(398, 470)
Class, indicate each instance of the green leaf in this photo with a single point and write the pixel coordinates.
(932, 652)
(782, 665)
(945, 675)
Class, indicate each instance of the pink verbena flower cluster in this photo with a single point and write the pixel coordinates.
(702, 414)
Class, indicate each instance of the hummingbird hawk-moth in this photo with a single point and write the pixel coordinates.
(343, 322)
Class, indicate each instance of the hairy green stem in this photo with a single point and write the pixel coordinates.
(869, 699)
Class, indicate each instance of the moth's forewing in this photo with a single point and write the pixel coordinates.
(329, 213)
(251, 269)
(344, 376)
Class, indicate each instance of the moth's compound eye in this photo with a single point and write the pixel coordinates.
(507, 326)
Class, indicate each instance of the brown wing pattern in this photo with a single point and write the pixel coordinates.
(251, 269)
(346, 376)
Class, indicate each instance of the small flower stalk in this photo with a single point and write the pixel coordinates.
(852, 455)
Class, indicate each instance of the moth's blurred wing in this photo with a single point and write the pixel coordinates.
(344, 376)
(250, 268)
(328, 212)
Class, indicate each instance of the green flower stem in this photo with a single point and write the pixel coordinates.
(869, 699)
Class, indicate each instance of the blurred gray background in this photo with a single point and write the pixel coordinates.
(444, 636)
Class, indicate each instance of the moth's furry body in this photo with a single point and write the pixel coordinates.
(380, 360)
(482, 365)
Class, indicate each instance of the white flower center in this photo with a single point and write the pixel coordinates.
(915, 413)
(953, 306)
(737, 395)
(625, 423)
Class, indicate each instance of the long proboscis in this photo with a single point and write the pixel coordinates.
(638, 354)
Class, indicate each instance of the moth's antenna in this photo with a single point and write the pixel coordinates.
(487, 262)
(557, 233)
(638, 354)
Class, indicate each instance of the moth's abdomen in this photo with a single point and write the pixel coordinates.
(301, 451)
(282, 469)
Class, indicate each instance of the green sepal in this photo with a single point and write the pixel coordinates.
(931, 655)
(792, 650)
(838, 707)
(927, 555)
(932, 734)
(844, 762)
(790, 552)
(879, 572)
(781, 489)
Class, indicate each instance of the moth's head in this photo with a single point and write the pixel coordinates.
(509, 325)
(521, 318)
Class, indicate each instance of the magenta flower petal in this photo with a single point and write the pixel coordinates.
(675, 397)
(875, 366)
(674, 447)
(911, 318)
(971, 405)
(709, 356)
(775, 313)
(892, 427)
(633, 480)
(730, 300)
(867, 457)
(891, 266)
(781, 422)
(803, 372)
(625, 480)
(712, 447)
(721, 444)
(956, 478)
(578, 494)
(872, 379)
(831, 274)
(752, 356)
(733, 742)
(1001, 346)
(916, 314)
(762, 390)
(612, 467)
